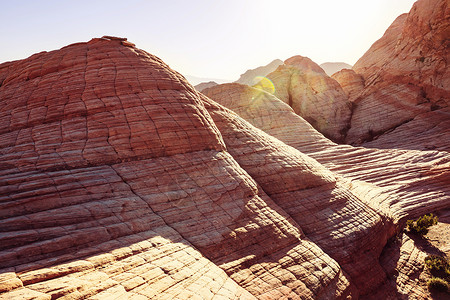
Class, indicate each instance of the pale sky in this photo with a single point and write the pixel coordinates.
(213, 39)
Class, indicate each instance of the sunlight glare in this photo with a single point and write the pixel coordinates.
(264, 83)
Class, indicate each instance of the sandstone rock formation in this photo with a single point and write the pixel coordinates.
(427, 131)
(332, 67)
(399, 184)
(351, 83)
(250, 77)
(119, 180)
(395, 183)
(75, 123)
(326, 202)
(117, 183)
(399, 174)
(266, 112)
(319, 99)
(405, 73)
(204, 85)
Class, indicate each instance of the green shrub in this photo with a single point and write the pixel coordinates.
(420, 226)
(438, 266)
(437, 284)
(427, 220)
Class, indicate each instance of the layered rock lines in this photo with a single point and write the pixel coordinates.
(116, 182)
(118, 179)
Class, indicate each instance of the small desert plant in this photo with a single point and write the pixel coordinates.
(438, 266)
(420, 226)
(427, 220)
(437, 284)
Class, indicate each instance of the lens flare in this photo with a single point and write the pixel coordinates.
(264, 83)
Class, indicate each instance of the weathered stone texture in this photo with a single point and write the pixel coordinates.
(75, 122)
(411, 182)
(329, 214)
(351, 83)
(313, 95)
(427, 131)
(405, 72)
(116, 183)
(266, 112)
(119, 180)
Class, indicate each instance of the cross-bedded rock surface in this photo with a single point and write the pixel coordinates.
(326, 202)
(312, 94)
(406, 76)
(119, 180)
(201, 86)
(397, 184)
(351, 83)
(402, 80)
(411, 182)
(116, 183)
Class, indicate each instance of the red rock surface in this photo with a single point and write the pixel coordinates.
(427, 131)
(412, 182)
(326, 203)
(119, 180)
(319, 99)
(351, 83)
(116, 183)
(398, 184)
(405, 72)
(75, 123)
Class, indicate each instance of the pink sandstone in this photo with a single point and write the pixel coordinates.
(351, 83)
(405, 73)
(116, 182)
(319, 99)
(397, 184)
(120, 180)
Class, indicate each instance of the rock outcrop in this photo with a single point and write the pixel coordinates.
(395, 183)
(313, 95)
(427, 131)
(251, 77)
(326, 200)
(411, 182)
(351, 83)
(204, 85)
(117, 183)
(76, 125)
(332, 67)
(405, 72)
(119, 180)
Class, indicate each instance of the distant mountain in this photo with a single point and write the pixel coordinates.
(204, 85)
(194, 80)
(332, 67)
(248, 77)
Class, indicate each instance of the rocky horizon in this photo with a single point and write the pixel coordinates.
(120, 180)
